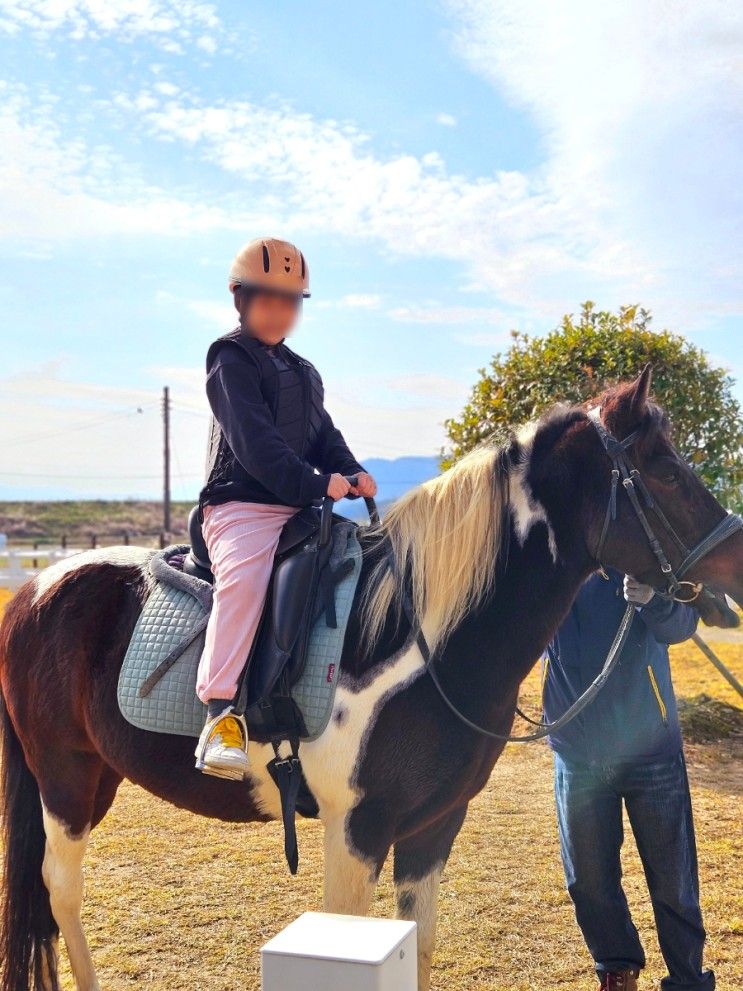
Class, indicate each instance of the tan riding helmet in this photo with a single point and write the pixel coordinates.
(269, 263)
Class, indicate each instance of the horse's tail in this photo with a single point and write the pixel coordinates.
(27, 928)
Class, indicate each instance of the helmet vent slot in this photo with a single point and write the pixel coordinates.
(266, 260)
(303, 265)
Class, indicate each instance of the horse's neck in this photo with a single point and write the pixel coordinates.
(489, 655)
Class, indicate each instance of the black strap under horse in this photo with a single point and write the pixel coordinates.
(632, 482)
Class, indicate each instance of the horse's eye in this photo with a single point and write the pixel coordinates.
(671, 477)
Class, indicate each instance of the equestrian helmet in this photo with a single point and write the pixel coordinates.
(272, 264)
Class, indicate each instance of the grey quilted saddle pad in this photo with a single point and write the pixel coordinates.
(179, 607)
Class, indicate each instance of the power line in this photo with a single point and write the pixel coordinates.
(88, 425)
(113, 478)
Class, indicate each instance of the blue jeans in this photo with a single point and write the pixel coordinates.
(589, 813)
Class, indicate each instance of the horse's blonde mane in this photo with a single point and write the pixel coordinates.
(445, 535)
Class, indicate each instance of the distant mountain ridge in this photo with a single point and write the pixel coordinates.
(394, 477)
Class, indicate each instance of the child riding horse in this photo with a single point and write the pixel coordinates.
(270, 431)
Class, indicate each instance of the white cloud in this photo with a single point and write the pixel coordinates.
(79, 438)
(639, 105)
(493, 341)
(426, 384)
(55, 188)
(220, 315)
(446, 120)
(449, 314)
(169, 23)
(390, 429)
(351, 301)
(636, 197)
(509, 229)
(361, 300)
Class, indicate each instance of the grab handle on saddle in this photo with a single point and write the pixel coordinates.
(371, 508)
(326, 513)
(326, 521)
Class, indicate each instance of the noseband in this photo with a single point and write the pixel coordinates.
(632, 483)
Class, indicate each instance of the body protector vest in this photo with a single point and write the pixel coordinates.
(293, 391)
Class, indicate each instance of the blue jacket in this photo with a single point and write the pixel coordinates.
(634, 717)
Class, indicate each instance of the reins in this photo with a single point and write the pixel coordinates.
(545, 729)
(623, 469)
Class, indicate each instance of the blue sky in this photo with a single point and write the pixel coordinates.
(451, 170)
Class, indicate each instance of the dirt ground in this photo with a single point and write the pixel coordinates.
(176, 902)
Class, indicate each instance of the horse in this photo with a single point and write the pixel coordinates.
(490, 554)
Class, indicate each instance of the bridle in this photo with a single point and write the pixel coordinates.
(632, 482)
(624, 469)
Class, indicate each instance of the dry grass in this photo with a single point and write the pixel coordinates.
(177, 902)
(80, 519)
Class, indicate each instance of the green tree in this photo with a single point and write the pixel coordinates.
(580, 358)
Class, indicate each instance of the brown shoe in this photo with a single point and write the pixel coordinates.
(619, 980)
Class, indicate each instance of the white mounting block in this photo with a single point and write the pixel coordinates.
(323, 952)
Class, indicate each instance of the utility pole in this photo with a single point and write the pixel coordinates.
(166, 459)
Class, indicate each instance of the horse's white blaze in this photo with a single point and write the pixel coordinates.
(526, 510)
(124, 557)
(417, 901)
(63, 877)
(330, 762)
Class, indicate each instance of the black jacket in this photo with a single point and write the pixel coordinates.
(270, 429)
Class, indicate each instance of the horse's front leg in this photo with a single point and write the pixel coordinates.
(350, 878)
(419, 863)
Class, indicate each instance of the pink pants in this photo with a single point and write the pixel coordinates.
(241, 538)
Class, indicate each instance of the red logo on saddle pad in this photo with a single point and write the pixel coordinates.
(331, 672)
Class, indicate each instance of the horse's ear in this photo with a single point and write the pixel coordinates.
(639, 394)
(627, 405)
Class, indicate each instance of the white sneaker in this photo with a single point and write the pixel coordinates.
(223, 747)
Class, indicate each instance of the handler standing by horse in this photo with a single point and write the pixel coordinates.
(626, 748)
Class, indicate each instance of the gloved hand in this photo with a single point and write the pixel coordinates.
(637, 593)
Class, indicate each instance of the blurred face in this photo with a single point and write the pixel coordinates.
(270, 316)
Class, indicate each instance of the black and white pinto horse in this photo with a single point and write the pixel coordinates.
(492, 552)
